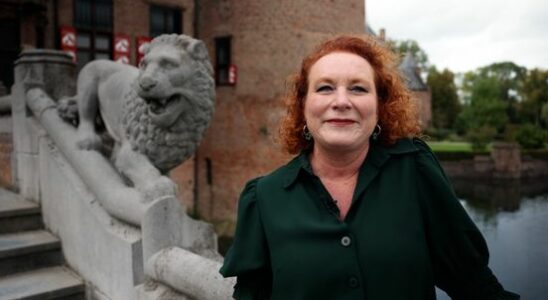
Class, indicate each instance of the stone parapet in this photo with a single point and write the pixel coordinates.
(504, 162)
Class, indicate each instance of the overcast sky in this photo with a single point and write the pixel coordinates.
(465, 34)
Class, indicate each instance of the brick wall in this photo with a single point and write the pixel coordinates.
(269, 39)
(132, 18)
(423, 100)
(6, 148)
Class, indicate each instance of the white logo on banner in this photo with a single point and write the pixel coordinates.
(122, 46)
(123, 59)
(69, 39)
(142, 48)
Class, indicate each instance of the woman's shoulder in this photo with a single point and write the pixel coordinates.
(414, 145)
(406, 146)
(283, 175)
(418, 150)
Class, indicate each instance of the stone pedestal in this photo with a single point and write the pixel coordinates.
(55, 72)
(507, 160)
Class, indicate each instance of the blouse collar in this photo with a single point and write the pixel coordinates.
(373, 162)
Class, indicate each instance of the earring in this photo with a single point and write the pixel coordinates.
(376, 132)
(306, 133)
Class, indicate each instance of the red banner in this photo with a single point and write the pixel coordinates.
(142, 42)
(68, 41)
(232, 74)
(121, 48)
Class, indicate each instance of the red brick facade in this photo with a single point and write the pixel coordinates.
(268, 41)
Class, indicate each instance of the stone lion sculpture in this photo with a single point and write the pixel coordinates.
(156, 114)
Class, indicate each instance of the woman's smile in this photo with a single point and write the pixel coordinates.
(341, 122)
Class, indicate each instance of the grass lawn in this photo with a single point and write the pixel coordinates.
(450, 146)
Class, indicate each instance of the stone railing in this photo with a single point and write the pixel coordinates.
(504, 162)
(123, 246)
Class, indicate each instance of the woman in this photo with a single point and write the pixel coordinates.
(364, 211)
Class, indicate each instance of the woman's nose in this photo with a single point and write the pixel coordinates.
(342, 101)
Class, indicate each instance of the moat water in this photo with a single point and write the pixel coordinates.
(513, 217)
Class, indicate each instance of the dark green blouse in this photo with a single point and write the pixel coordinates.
(404, 233)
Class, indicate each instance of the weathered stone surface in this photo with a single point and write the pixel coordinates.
(151, 290)
(97, 172)
(103, 250)
(165, 224)
(156, 114)
(192, 274)
(48, 283)
(54, 71)
(27, 179)
(507, 160)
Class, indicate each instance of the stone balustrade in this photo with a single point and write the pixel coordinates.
(109, 233)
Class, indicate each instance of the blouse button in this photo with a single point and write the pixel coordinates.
(353, 282)
(345, 241)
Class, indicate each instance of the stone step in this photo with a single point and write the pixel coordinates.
(28, 250)
(44, 284)
(18, 214)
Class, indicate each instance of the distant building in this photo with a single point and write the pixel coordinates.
(420, 91)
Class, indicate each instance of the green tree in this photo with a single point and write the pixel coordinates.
(445, 101)
(510, 80)
(484, 108)
(535, 97)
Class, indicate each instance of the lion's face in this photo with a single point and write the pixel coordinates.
(163, 76)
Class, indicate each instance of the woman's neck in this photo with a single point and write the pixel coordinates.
(336, 165)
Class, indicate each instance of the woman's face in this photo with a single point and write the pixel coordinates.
(340, 107)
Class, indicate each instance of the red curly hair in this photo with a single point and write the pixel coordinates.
(396, 112)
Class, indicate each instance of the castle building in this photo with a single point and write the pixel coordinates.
(420, 92)
(254, 46)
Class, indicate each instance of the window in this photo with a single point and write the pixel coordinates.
(209, 171)
(165, 20)
(222, 59)
(93, 22)
(9, 51)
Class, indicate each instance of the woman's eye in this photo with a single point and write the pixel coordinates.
(324, 89)
(358, 89)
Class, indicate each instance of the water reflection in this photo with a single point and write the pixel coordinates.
(491, 196)
(513, 217)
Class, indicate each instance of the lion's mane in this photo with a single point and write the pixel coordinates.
(168, 147)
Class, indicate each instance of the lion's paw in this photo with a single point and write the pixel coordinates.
(89, 141)
(161, 187)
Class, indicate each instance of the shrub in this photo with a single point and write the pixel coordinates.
(438, 134)
(530, 137)
(480, 137)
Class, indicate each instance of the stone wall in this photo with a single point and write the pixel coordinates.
(485, 167)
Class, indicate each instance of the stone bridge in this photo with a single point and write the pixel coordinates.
(74, 228)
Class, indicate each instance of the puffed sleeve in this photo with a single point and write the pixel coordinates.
(458, 251)
(248, 257)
